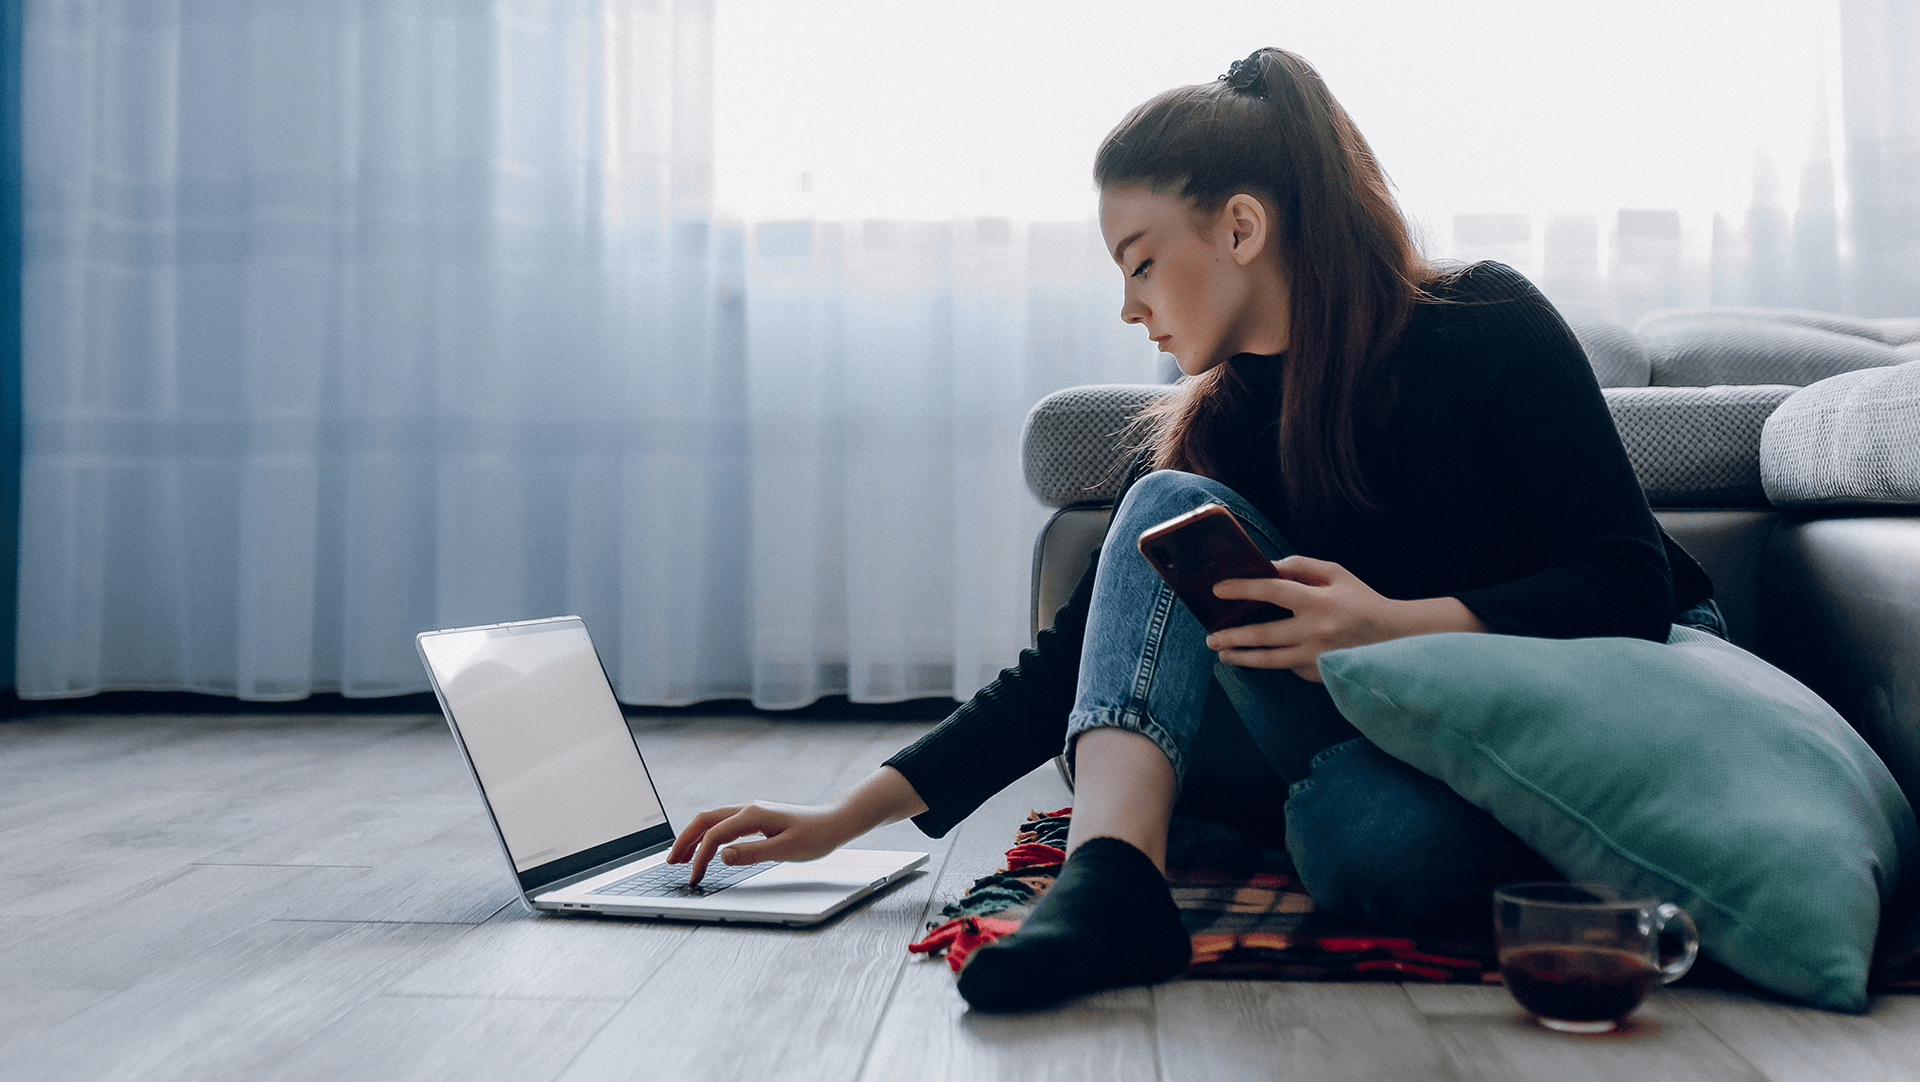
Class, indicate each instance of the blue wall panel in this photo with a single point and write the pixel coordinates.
(10, 17)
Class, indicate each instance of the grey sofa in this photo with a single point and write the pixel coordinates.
(1781, 448)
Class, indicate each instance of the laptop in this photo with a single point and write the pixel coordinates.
(576, 812)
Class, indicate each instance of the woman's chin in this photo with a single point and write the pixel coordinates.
(1194, 366)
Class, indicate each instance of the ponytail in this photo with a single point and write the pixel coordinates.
(1271, 129)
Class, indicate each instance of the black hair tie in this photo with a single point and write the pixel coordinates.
(1246, 77)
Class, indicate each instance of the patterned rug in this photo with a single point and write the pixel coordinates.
(1251, 920)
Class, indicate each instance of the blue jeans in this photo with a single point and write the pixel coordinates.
(1370, 836)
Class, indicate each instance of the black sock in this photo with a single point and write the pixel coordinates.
(1107, 921)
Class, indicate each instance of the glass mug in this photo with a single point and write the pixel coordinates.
(1581, 956)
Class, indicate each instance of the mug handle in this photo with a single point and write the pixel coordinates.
(1668, 913)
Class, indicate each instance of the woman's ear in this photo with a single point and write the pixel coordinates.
(1246, 217)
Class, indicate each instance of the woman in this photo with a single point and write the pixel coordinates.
(1419, 450)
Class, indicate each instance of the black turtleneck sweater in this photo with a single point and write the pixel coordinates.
(1499, 479)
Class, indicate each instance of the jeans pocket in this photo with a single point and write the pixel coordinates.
(1325, 754)
(1705, 616)
(1322, 757)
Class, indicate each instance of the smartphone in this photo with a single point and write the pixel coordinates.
(1204, 546)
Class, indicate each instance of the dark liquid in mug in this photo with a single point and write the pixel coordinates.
(1577, 984)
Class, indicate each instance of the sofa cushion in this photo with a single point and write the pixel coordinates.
(1897, 332)
(1690, 446)
(1892, 332)
(1691, 771)
(1849, 439)
(1617, 357)
(1695, 446)
(1075, 446)
(1708, 347)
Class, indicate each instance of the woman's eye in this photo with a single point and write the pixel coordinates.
(1142, 268)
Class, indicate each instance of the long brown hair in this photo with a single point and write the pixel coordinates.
(1271, 129)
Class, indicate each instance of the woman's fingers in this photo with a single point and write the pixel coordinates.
(690, 835)
(788, 832)
(1304, 662)
(1309, 570)
(1256, 589)
(1287, 656)
(1300, 600)
(1328, 605)
(752, 819)
(1281, 592)
(1278, 634)
(1302, 578)
(786, 845)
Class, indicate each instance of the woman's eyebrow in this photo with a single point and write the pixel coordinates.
(1121, 248)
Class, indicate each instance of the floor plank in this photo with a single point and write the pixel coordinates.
(233, 1010)
(1791, 1043)
(1333, 1031)
(1108, 1037)
(120, 822)
(176, 755)
(456, 875)
(32, 1010)
(520, 956)
(396, 1039)
(70, 850)
(48, 757)
(118, 941)
(1488, 1037)
(328, 832)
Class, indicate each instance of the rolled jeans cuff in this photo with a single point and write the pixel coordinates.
(1134, 721)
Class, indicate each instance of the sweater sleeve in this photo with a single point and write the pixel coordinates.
(1605, 569)
(1009, 727)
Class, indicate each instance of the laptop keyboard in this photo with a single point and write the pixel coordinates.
(670, 880)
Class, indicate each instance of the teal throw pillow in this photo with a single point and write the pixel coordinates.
(1692, 771)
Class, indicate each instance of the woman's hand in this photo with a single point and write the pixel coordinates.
(794, 831)
(1332, 609)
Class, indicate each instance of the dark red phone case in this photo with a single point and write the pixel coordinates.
(1204, 546)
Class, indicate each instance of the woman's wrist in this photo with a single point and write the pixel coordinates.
(882, 797)
(1436, 614)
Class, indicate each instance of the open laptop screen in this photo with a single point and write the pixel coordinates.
(545, 737)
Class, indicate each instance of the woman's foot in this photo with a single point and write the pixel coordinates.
(1108, 921)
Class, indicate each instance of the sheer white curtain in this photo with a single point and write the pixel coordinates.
(348, 320)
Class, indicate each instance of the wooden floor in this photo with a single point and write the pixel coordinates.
(319, 897)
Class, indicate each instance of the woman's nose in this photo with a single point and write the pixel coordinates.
(1132, 311)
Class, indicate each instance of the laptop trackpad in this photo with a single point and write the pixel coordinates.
(802, 888)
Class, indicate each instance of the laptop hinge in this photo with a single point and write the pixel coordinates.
(599, 869)
(641, 843)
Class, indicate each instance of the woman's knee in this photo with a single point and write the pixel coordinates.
(1359, 860)
(1355, 876)
(1375, 839)
(1163, 494)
